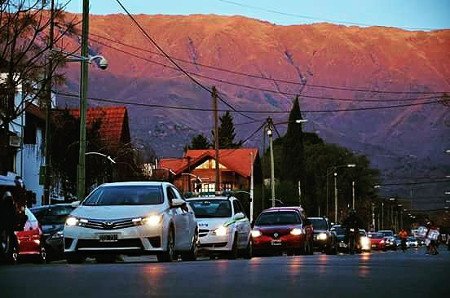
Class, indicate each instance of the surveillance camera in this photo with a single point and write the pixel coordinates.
(103, 63)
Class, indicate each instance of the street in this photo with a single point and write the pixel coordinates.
(389, 274)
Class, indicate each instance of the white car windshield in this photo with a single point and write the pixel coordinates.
(125, 195)
(211, 208)
(277, 218)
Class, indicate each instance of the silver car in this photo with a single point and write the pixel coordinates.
(131, 218)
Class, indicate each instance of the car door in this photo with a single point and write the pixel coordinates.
(181, 221)
(242, 225)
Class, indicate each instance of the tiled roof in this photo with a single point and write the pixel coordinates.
(237, 160)
(114, 123)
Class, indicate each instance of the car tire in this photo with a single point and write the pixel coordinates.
(169, 254)
(75, 258)
(191, 255)
(233, 254)
(8, 250)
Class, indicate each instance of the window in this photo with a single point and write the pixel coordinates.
(125, 195)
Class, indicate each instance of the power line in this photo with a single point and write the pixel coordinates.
(315, 18)
(173, 61)
(241, 111)
(263, 77)
(267, 90)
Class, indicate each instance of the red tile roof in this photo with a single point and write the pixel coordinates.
(237, 160)
(114, 123)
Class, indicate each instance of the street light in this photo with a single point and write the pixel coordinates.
(329, 171)
(272, 171)
(101, 154)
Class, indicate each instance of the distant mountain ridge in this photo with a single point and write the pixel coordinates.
(337, 62)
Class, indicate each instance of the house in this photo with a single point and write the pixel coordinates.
(196, 170)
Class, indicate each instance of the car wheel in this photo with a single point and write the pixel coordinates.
(233, 254)
(168, 255)
(248, 252)
(74, 258)
(8, 250)
(191, 255)
(104, 259)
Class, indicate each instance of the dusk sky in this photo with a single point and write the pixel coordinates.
(406, 14)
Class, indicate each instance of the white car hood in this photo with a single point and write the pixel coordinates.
(117, 212)
(212, 223)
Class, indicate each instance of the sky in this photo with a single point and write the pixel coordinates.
(405, 14)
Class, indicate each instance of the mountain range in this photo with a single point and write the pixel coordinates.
(377, 91)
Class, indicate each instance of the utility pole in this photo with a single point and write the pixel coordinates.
(48, 106)
(335, 199)
(353, 195)
(272, 171)
(216, 137)
(251, 187)
(83, 101)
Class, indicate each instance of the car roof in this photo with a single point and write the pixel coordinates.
(290, 208)
(317, 217)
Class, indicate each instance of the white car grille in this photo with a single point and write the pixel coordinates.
(108, 224)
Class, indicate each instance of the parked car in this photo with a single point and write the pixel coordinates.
(29, 240)
(224, 229)
(324, 239)
(376, 241)
(282, 229)
(131, 218)
(52, 219)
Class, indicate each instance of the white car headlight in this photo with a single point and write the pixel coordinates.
(322, 236)
(256, 233)
(296, 231)
(221, 231)
(153, 220)
(365, 242)
(72, 221)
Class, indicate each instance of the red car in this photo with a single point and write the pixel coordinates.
(282, 229)
(376, 241)
(29, 240)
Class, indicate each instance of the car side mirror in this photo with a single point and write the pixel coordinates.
(239, 216)
(178, 203)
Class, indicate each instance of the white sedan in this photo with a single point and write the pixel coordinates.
(223, 226)
(131, 218)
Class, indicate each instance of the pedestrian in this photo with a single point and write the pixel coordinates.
(431, 237)
(8, 216)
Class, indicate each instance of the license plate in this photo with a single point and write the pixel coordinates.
(342, 245)
(276, 242)
(108, 237)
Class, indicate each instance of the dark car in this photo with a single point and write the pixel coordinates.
(341, 243)
(324, 238)
(282, 229)
(52, 219)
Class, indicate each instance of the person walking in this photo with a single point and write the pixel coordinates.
(8, 220)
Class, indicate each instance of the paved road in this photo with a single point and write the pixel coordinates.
(378, 274)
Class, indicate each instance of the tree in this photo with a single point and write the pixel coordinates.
(199, 142)
(24, 60)
(292, 160)
(226, 133)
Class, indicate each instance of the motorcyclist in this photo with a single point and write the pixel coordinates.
(352, 224)
(403, 235)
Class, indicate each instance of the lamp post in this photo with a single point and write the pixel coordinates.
(329, 171)
(272, 171)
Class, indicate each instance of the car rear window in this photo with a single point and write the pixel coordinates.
(319, 223)
(278, 218)
(125, 195)
(211, 208)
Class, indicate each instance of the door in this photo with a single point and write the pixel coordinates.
(181, 221)
(242, 225)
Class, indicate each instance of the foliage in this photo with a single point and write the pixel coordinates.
(199, 142)
(227, 133)
(292, 159)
